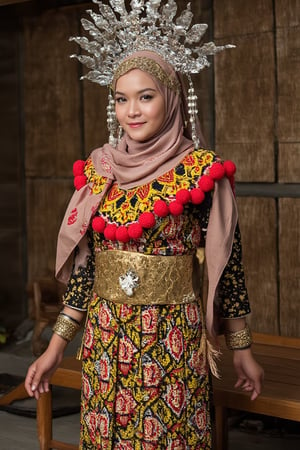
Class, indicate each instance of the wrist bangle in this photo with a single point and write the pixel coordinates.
(65, 327)
(238, 340)
(71, 318)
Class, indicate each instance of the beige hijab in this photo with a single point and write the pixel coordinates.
(135, 163)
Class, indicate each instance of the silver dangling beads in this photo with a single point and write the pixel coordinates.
(193, 111)
(112, 124)
(120, 133)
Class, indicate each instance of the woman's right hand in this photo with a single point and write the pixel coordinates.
(41, 370)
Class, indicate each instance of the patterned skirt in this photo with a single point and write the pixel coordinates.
(145, 381)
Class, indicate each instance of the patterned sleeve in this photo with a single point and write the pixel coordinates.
(80, 285)
(233, 301)
(232, 291)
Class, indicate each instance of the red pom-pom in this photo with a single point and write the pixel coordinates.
(217, 171)
(98, 224)
(147, 220)
(176, 208)
(80, 181)
(78, 167)
(206, 183)
(183, 196)
(135, 231)
(230, 168)
(122, 234)
(197, 196)
(161, 209)
(110, 232)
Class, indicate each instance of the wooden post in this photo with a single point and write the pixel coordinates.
(44, 420)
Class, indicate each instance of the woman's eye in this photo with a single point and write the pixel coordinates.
(147, 97)
(120, 100)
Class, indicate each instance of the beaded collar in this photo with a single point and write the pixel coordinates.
(161, 208)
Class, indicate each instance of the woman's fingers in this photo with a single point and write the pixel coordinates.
(29, 384)
(240, 381)
(36, 383)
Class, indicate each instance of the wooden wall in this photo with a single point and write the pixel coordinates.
(257, 93)
(12, 193)
(248, 105)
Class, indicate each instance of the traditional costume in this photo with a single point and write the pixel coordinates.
(129, 242)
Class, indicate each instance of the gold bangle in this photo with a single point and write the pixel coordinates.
(65, 327)
(239, 340)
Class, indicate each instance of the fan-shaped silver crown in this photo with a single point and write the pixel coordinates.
(150, 25)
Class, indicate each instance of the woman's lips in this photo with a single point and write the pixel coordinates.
(136, 124)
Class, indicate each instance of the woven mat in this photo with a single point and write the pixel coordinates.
(64, 401)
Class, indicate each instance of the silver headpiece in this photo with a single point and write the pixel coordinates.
(150, 25)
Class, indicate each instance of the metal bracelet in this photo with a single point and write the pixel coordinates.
(65, 327)
(239, 340)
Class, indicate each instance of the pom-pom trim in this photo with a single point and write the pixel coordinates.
(161, 208)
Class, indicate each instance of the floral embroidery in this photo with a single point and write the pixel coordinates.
(176, 397)
(73, 216)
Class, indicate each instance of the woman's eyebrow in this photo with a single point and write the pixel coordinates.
(139, 92)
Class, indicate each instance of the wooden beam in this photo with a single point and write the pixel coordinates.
(12, 2)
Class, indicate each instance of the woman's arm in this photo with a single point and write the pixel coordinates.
(40, 372)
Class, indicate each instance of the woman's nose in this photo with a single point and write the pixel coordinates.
(133, 109)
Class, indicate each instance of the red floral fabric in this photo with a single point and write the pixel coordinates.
(145, 380)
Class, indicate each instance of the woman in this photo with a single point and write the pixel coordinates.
(127, 251)
(145, 373)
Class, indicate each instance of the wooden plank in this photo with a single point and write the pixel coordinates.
(12, 231)
(59, 445)
(204, 82)
(12, 2)
(245, 120)
(288, 162)
(10, 136)
(287, 13)
(279, 341)
(288, 48)
(11, 199)
(52, 100)
(289, 253)
(257, 218)
(12, 272)
(95, 99)
(47, 201)
(239, 18)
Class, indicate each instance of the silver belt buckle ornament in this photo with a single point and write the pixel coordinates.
(129, 282)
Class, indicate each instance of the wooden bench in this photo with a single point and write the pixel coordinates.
(280, 358)
(280, 398)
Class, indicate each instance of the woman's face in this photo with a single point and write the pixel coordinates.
(140, 106)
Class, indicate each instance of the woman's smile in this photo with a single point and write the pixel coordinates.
(136, 124)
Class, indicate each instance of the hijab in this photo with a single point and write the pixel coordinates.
(134, 163)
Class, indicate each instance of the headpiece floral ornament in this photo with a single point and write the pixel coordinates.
(150, 25)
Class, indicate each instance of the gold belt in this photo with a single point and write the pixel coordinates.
(138, 279)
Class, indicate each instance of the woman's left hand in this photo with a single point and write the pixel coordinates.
(250, 374)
